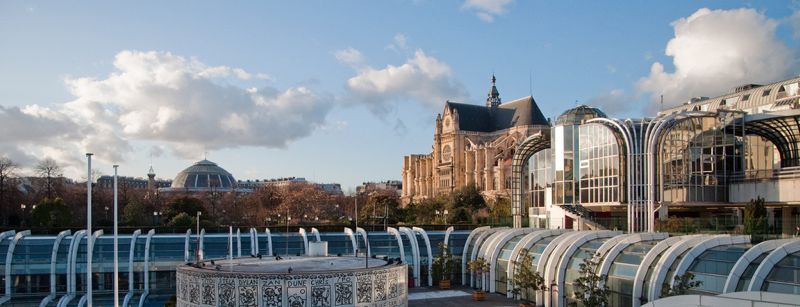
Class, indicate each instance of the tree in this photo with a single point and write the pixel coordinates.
(468, 197)
(683, 283)
(500, 209)
(49, 170)
(526, 278)
(137, 213)
(182, 220)
(755, 219)
(443, 265)
(590, 287)
(51, 213)
(184, 204)
(7, 170)
(381, 205)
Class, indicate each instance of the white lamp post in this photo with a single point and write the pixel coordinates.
(116, 248)
(89, 230)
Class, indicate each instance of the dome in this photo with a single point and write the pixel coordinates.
(578, 115)
(204, 175)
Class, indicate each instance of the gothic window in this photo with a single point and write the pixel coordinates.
(447, 153)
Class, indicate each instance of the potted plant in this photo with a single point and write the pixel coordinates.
(479, 268)
(443, 266)
(525, 279)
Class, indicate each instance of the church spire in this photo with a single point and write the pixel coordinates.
(493, 98)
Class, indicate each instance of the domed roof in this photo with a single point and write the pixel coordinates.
(579, 115)
(203, 175)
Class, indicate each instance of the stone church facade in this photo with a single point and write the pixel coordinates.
(472, 145)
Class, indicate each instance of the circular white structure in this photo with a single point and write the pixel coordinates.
(295, 281)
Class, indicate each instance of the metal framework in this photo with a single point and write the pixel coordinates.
(412, 240)
(131, 255)
(525, 149)
(424, 235)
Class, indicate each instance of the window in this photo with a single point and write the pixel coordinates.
(746, 97)
(766, 92)
(447, 153)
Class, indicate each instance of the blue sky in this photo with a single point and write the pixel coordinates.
(340, 91)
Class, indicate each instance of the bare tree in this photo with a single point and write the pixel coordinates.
(7, 170)
(49, 170)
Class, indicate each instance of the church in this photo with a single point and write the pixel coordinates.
(472, 145)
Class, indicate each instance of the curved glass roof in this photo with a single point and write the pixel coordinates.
(578, 115)
(713, 266)
(785, 276)
(204, 174)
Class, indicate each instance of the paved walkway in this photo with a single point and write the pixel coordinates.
(456, 297)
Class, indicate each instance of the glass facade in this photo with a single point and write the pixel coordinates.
(698, 156)
(601, 165)
(623, 271)
(713, 266)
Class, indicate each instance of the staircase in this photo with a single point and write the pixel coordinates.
(581, 215)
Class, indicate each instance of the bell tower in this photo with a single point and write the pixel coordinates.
(493, 98)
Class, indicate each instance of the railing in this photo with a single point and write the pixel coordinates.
(766, 174)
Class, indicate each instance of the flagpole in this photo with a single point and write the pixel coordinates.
(116, 247)
(89, 230)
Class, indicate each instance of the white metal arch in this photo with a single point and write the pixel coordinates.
(315, 232)
(131, 255)
(447, 235)
(766, 266)
(396, 234)
(646, 264)
(303, 234)
(610, 243)
(269, 242)
(494, 252)
(202, 251)
(71, 271)
(349, 233)
(558, 265)
(628, 139)
(491, 241)
(697, 250)
(665, 262)
(53, 259)
(464, 253)
(89, 255)
(186, 243)
(746, 259)
(412, 239)
(9, 258)
(363, 233)
(424, 235)
(146, 269)
(629, 240)
(526, 243)
(239, 243)
(476, 250)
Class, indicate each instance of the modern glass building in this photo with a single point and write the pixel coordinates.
(638, 267)
(704, 159)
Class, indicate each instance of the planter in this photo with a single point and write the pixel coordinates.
(478, 295)
(444, 284)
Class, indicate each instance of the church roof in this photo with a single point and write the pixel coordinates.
(520, 112)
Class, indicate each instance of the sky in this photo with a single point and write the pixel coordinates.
(340, 91)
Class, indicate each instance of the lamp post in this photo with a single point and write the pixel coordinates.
(288, 218)
(445, 216)
(116, 239)
(89, 229)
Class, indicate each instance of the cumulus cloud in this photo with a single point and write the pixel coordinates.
(422, 78)
(487, 10)
(399, 42)
(158, 96)
(715, 50)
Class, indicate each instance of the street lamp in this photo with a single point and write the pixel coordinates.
(199, 213)
(445, 216)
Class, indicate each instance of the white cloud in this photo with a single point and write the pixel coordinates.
(158, 96)
(421, 78)
(350, 56)
(716, 50)
(794, 22)
(487, 10)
